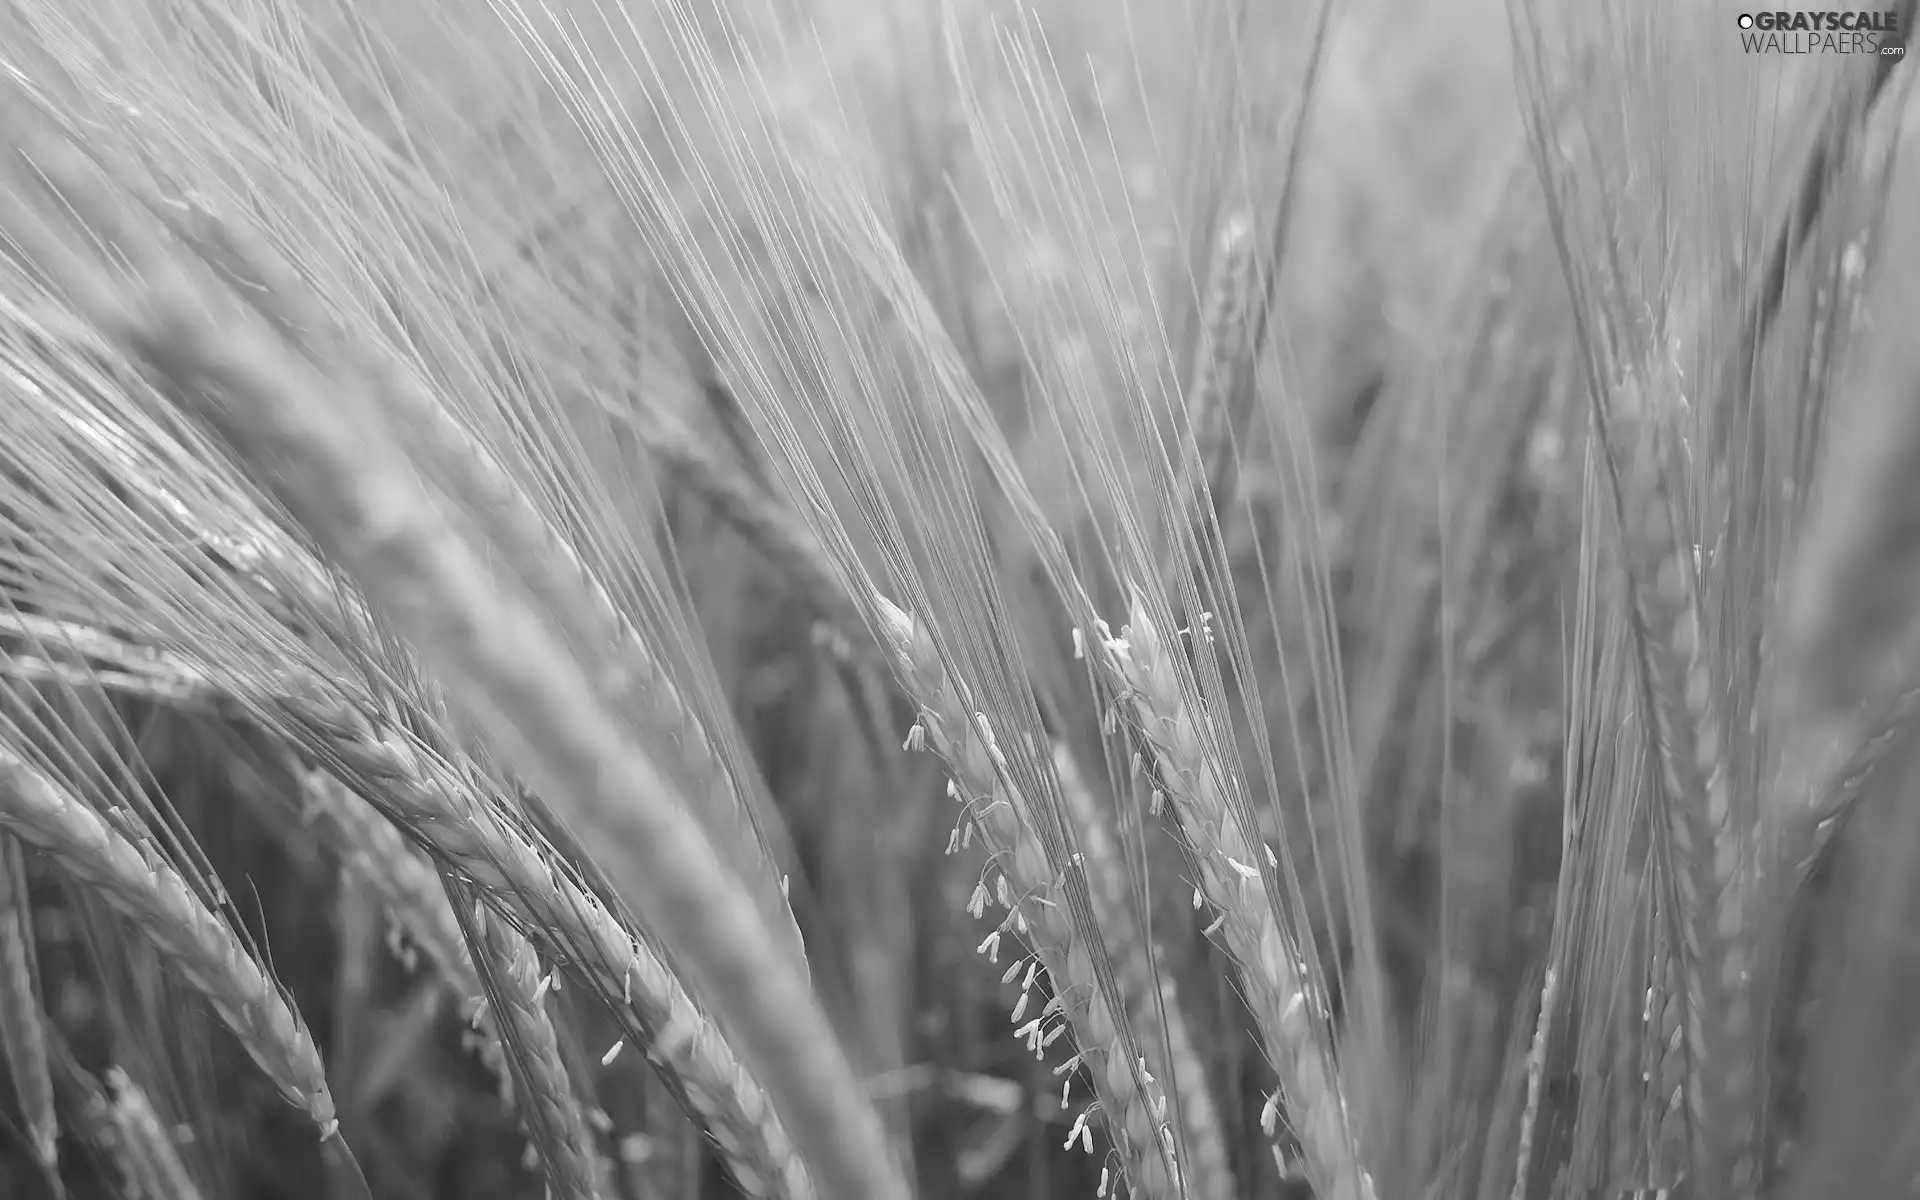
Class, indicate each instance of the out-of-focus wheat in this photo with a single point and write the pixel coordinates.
(144, 1145)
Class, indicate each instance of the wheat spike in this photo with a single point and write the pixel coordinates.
(1712, 853)
(1536, 1076)
(962, 739)
(543, 1090)
(374, 852)
(1153, 1003)
(1271, 965)
(438, 805)
(409, 889)
(1223, 342)
(194, 942)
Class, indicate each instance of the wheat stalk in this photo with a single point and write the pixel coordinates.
(194, 943)
(1229, 860)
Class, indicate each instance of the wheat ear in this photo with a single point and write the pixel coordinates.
(1711, 850)
(1151, 998)
(1536, 1079)
(432, 799)
(369, 848)
(948, 724)
(409, 890)
(194, 943)
(543, 1089)
(21, 1035)
(1229, 863)
(1225, 334)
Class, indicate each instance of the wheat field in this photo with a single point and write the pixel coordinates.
(885, 599)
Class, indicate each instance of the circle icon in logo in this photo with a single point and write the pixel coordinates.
(1746, 20)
